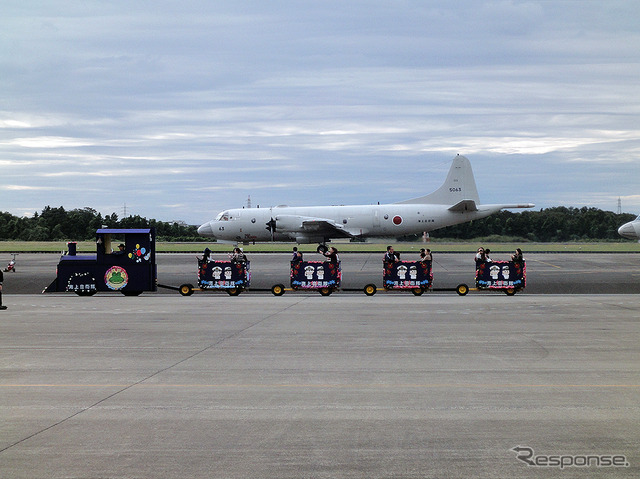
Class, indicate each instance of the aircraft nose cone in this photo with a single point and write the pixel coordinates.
(627, 231)
(205, 230)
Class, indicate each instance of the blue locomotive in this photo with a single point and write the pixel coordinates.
(125, 262)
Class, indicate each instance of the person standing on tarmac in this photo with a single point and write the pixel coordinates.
(1, 280)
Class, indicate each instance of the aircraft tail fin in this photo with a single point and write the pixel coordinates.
(459, 186)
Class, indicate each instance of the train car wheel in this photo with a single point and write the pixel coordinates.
(234, 291)
(510, 291)
(186, 290)
(417, 291)
(277, 289)
(370, 289)
(325, 291)
(462, 289)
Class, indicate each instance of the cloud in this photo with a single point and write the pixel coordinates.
(202, 104)
(30, 188)
(47, 142)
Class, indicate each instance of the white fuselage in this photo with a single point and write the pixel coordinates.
(631, 229)
(390, 220)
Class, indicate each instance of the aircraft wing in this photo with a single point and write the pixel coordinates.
(325, 227)
(311, 226)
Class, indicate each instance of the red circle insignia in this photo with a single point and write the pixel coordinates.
(397, 220)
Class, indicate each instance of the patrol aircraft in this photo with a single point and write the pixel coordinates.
(631, 229)
(456, 201)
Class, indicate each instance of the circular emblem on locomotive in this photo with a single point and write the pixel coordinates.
(116, 278)
(397, 220)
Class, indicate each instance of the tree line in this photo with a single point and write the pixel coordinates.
(56, 224)
(546, 225)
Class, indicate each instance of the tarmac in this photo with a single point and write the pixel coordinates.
(304, 386)
(540, 384)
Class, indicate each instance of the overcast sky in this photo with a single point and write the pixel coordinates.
(182, 109)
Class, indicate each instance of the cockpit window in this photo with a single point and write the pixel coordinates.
(223, 216)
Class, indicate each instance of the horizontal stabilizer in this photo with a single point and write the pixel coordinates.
(464, 205)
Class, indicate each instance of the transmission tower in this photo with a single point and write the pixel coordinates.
(619, 206)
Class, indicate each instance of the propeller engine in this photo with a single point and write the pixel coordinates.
(271, 227)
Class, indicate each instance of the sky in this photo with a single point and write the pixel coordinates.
(177, 110)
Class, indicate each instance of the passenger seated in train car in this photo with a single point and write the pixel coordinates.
(425, 255)
(332, 255)
(390, 256)
(238, 256)
(517, 257)
(297, 255)
(480, 257)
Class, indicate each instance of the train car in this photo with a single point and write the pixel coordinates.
(128, 268)
(415, 276)
(234, 277)
(507, 276)
(323, 276)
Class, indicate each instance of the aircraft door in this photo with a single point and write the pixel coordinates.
(376, 217)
